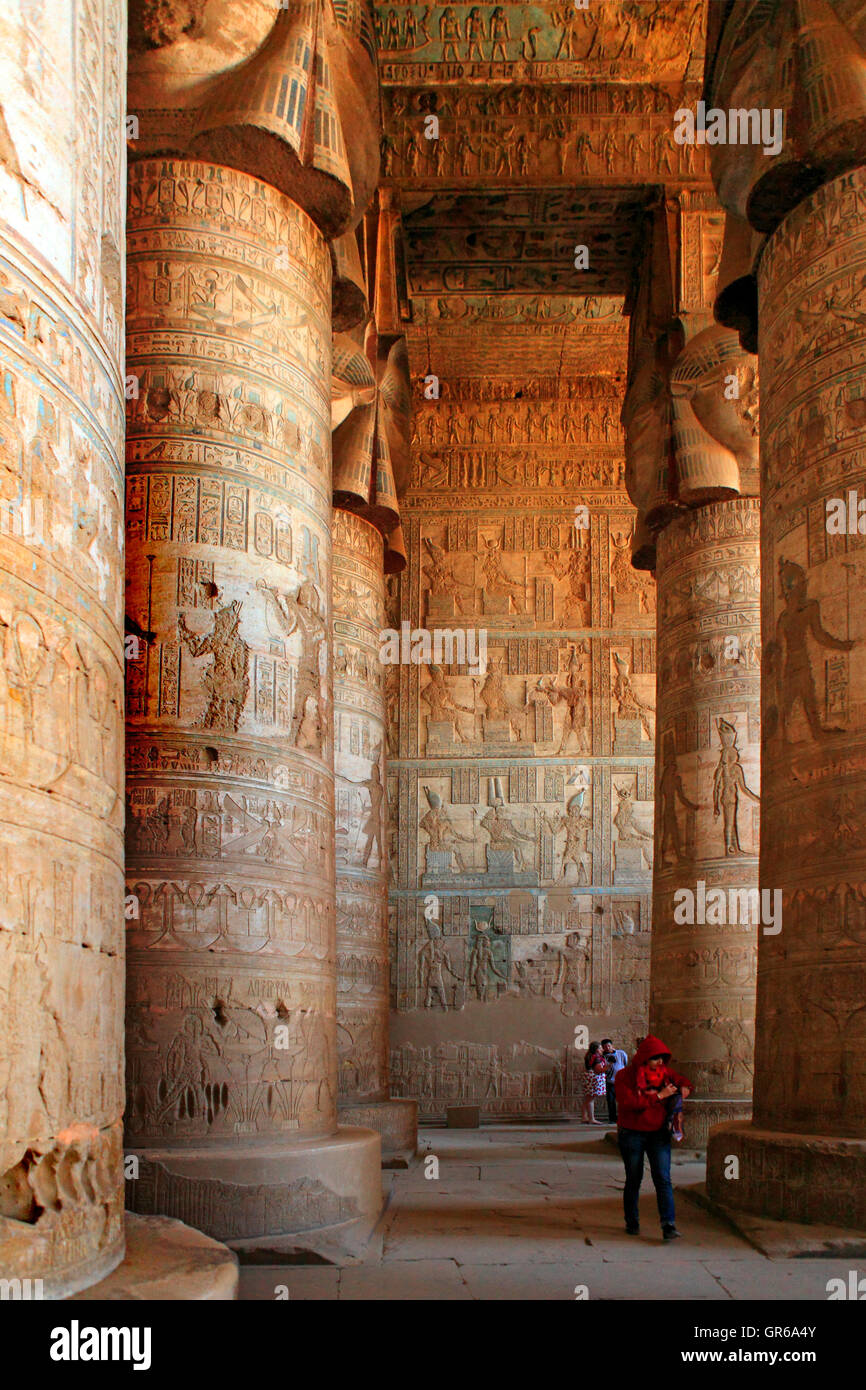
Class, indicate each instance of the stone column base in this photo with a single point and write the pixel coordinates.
(396, 1123)
(29, 1253)
(322, 1195)
(167, 1260)
(789, 1177)
(700, 1115)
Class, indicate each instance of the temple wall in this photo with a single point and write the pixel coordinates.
(514, 924)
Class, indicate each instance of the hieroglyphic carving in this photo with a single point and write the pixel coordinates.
(61, 646)
(812, 973)
(362, 865)
(510, 911)
(232, 1030)
(703, 973)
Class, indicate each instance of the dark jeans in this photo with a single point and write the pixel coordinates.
(611, 1102)
(656, 1144)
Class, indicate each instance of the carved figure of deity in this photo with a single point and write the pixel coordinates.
(496, 581)
(729, 784)
(483, 968)
(441, 578)
(301, 612)
(628, 704)
(574, 694)
(575, 567)
(670, 792)
(789, 654)
(438, 700)
(578, 838)
(504, 835)
(441, 834)
(628, 831)
(227, 680)
(433, 959)
(624, 578)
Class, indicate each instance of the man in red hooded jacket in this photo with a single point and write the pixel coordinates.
(642, 1129)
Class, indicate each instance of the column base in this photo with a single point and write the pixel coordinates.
(699, 1116)
(396, 1123)
(308, 1195)
(811, 1178)
(166, 1260)
(28, 1254)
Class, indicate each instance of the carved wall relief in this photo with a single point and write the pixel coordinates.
(517, 910)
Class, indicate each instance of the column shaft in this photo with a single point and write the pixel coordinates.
(805, 1157)
(232, 987)
(702, 991)
(362, 863)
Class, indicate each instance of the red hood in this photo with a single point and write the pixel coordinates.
(651, 1047)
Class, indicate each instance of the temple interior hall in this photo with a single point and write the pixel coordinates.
(432, 788)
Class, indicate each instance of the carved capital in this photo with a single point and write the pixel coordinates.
(798, 65)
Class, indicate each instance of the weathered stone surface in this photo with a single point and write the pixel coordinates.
(166, 1260)
(395, 1121)
(362, 864)
(232, 994)
(61, 644)
(810, 1057)
(702, 972)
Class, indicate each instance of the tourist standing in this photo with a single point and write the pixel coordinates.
(643, 1130)
(595, 1068)
(616, 1059)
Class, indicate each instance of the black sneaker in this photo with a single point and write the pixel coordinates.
(632, 1230)
(671, 1233)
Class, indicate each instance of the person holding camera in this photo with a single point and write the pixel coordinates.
(643, 1130)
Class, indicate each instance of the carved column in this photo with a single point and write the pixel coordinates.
(692, 453)
(61, 649)
(804, 1156)
(362, 861)
(232, 991)
(702, 973)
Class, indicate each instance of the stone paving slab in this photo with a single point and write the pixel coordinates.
(529, 1214)
(602, 1282)
(770, 1280)
(433, 1279)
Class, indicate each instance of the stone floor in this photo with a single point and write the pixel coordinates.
(535, 1212)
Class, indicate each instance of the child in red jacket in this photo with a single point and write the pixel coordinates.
(651, 1080)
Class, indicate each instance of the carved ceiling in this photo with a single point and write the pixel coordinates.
(497, 242)
(553, 130)
(622, 40)
(506, 337)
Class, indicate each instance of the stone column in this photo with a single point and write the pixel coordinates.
(702, 973)
(61, 647)
(362, 862)
(232, 1042)
(804, 1158)
(691, 416)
